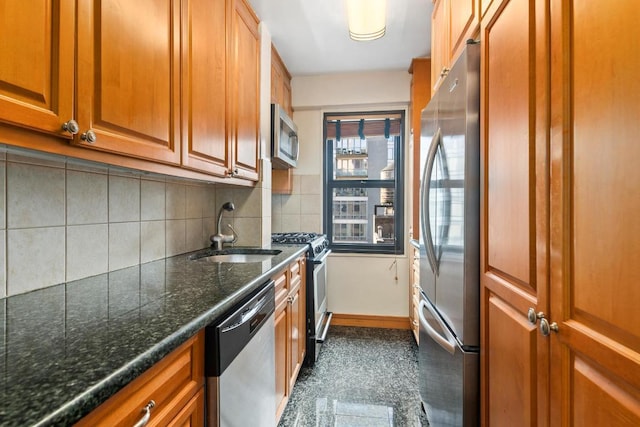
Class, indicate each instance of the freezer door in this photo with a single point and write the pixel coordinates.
(448, 376)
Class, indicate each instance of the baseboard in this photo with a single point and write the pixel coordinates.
(370, 321)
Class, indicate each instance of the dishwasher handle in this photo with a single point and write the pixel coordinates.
(247, 315)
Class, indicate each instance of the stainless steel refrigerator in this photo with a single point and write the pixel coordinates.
(449, 247)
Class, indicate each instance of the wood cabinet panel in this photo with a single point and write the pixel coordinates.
(281, 342)
(420, 71)
(171, 384)
(509, 143)
(290, 333)
(439, 43)
(204, 93)
(129, 77)
(37, 64)
(464, 22)
(602, 399)
(192, 415)
(244, 91)
(594, 234)
(514, 212)
(512, 367)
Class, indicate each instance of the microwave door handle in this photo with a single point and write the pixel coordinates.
(425, 191)
(294, 146)
(448, 343)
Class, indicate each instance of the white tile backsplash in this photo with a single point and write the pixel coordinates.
(152, 200)
(124, 199)
(35, 258)
(87, 201)
(302, 209)
(124, 245)
(35, 196)
(152, 240)
(64, 219)
(87, 251)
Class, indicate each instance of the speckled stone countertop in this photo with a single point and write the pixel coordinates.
(66, 349)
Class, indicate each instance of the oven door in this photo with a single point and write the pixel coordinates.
(322, 318)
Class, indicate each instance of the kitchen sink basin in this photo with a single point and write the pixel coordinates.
(236, 255)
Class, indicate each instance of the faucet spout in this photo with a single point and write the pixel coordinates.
(218, 239)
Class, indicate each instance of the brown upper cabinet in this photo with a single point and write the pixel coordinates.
(452, 23)
(280, 82)
(170, 82)
(244, 91)
(37, 65)
(129, 78)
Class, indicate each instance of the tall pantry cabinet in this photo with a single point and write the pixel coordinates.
(560, 325)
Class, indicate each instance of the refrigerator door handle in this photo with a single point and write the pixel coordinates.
(448, 342)
(425, 189)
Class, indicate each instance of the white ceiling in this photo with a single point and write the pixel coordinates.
(312, 36)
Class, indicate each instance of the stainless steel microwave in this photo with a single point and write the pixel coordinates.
(284, 139)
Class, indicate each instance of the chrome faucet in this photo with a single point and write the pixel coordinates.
(218, 239)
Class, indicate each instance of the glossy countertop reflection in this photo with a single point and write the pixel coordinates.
(67, 348)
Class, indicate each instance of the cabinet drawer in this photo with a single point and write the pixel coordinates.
(171, 384)
(295, 270)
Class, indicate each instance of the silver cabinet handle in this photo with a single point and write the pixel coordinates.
(147, 414)
(89, 136)
(533, 317)
(546, 327)
(71, 126)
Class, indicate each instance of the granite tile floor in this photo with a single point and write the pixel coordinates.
(363, 377)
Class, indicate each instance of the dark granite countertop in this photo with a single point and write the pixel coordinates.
(66, 349)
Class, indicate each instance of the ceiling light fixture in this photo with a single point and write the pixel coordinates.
(366, 19)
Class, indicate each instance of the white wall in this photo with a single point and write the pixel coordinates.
(357, 284)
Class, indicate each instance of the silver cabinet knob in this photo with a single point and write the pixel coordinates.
(533, 317)
(71, 126)
(546, 327)
(89, 136)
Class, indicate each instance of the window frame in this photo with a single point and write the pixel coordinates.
(397, 184)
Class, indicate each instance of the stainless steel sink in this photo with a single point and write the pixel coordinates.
(235, 255)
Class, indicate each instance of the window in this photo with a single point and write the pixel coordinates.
(364, 199)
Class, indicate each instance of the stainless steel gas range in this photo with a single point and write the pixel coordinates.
(318, 318)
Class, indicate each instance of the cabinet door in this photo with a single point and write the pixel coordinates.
(36, 63)
(464, 24)
(204, 80)
(129, 77)
(439, 43)
(281, 344)
(245, 91)
(192, 414)
(594, 213)
(295, 307)
(514, 212)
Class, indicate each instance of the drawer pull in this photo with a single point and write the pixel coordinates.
(147, 414)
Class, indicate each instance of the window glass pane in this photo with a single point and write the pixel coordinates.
(360, 216)
(358, 159)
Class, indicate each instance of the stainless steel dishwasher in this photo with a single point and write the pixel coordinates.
(240, 364)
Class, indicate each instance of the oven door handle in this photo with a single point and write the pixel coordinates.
(322, 258)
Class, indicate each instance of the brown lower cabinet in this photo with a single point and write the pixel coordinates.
(175, 385)
(559, 243)
(290, 333)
